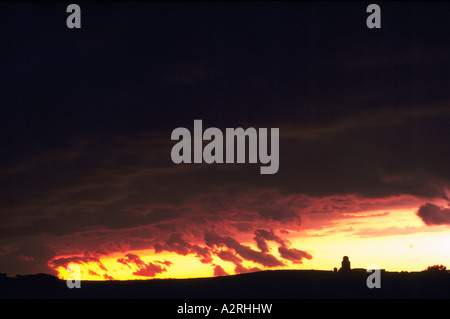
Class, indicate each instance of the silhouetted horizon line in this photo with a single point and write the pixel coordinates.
(353, 270)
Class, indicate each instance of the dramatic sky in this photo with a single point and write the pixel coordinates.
(86, 117)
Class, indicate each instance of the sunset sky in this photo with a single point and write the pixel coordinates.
(86, 116)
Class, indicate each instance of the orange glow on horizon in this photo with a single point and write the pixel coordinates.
(396, 240)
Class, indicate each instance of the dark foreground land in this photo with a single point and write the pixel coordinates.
(283, 284)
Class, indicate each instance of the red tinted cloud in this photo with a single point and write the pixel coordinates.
(262, 245)
(202, 253)
(108, 277)
(245, 252)
(144, 269)
(293, 254)
(111, 221)
(165, 262)
(219, 271)
(228, 255)
(239, 269)
(149, 270)
(131, 259)
(263, 235)
(64, 262)
(92, 273)
(177, 244)
(268, 235)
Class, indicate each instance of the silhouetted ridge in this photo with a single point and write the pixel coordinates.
(282, 284)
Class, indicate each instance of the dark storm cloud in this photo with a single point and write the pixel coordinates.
(188, 74)
(85, 128)
(26, 257)
(124, 193)
(434, 215)
(372, 154)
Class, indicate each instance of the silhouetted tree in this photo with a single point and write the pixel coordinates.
(436, 269)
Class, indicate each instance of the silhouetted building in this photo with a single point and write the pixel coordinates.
(345, 264)
(2, 276)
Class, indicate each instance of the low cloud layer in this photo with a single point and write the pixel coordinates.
(103, 196)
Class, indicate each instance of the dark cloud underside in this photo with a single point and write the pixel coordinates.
(86, 117)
